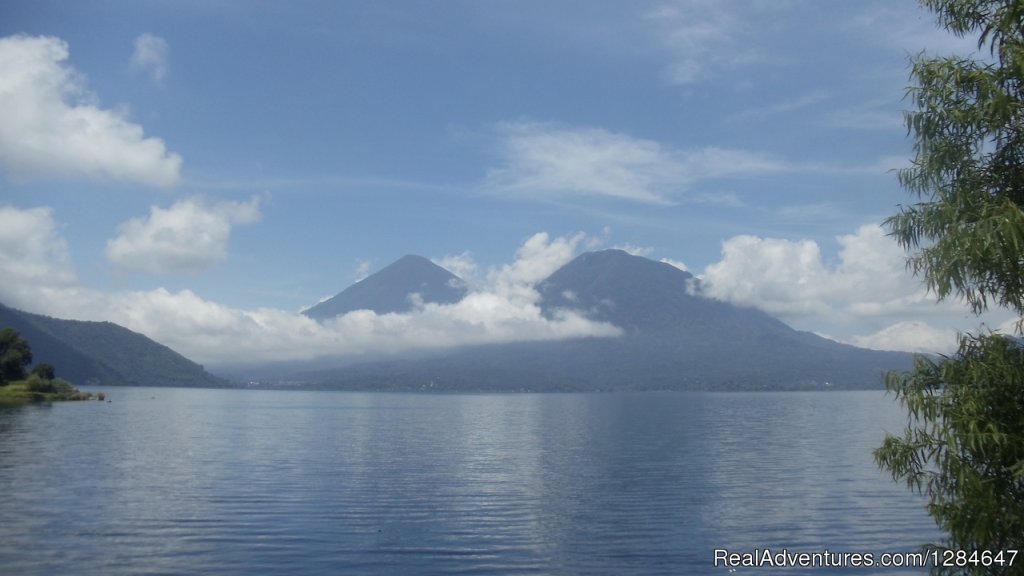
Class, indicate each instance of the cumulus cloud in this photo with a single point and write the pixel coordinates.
(32, 252)
(190, 236)
(868, 285)
(462, 265)
(50, 124)
(790, 278)
(503, 308)
(780, 276)
(212, 333)
(864, 296)
(151, 56)
(542, 159)
(536, 259)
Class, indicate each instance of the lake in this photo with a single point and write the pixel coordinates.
(193, 481)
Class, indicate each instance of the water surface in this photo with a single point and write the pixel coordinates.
(185, 481)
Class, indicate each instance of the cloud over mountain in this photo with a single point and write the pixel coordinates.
(866, 296)
(867, 285)
(501, 309)
(51, 125)
(791, 279)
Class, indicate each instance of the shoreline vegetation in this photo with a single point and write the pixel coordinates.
(36, 390)
(41, 385)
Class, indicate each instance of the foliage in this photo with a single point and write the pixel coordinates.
(35, 383)
(964, 442)
(969, 163)
(44, 371)
(41, 385)
(15, 355)
(965, 449)
(35, 389)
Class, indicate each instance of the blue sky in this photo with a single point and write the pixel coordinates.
(201, 171)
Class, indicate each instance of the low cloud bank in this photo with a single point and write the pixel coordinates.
(502, 308)
(865, 298)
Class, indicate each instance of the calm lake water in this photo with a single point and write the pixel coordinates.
(183, 481)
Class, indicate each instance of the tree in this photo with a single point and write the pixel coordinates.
(964, 441)
(969, 163)
(15, 355)
(44, 371)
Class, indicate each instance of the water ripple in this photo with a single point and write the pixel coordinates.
(240, 482)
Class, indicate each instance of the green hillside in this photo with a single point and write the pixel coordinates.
(103, 353)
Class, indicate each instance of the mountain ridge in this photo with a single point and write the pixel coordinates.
(674, 339)
(104, 353)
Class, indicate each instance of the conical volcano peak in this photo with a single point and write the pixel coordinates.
(629, 291)
(391, 289)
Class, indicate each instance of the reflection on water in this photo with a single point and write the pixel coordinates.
(803, 470)
(165, 481)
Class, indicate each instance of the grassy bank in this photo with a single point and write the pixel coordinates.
(35, 389)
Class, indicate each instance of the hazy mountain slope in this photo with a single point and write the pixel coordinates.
(391, 289)
(672, 340)
(104, 353)
(643, 296)
(677, 335)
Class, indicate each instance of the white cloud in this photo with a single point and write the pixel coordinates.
(864, 297)
(151, 56)
(643, 251)
(190, 236)
(790, 278)
(867, 286)
(541, 159)
(362, 270)
(910, 336)
(462, 265)
(536, 259)
(32, 253)
(50, 126)
(773, 274)
(502, 309)
(676, 263)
